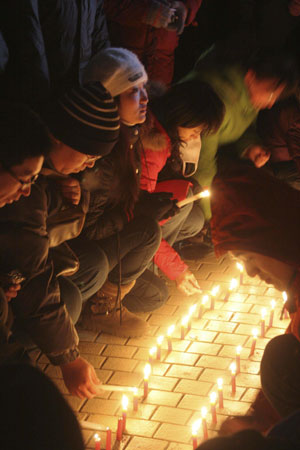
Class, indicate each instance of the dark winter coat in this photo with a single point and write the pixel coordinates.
(49, 44)
(154, 46)
(32, 235)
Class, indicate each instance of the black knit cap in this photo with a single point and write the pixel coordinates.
(86, 118)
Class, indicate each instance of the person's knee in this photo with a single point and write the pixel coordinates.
(152, 230)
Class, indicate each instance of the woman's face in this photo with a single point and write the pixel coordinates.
(133, 105)
(270, 270)
(189, 134)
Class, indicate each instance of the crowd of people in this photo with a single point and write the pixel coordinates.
(98, 144)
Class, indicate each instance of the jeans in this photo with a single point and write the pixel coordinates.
(92, 273)
(280, 371)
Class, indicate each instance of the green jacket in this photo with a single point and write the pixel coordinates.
(240, 115)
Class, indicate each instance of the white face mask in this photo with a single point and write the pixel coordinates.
(189, 153)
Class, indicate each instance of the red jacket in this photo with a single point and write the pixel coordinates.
(156, 150)
(154, 46)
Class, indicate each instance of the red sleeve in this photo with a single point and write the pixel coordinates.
(193, 7)
(169, 262)
(126, 12)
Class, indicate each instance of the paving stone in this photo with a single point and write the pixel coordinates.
(202, 347)
(172, 415)
(179, 446)
(163, 398)
(109, 339)
(141, 443)
(230, 339)
(91, 347)
(236, 306)
(121, 351)
(175, 433)
(184, 372)
(75, 402)
(214, 362)
(123, 364)
(250, 395)
(182, 358)
(158, 368)
(159, 319)
(163, 383)
(251, 319)
(141, 427)
(95, 360)
(101, 406)
(218, 325)
(193, 387)
(126, 379)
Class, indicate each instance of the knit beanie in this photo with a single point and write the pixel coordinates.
(85, 118)
(254, 211)
(118, 69)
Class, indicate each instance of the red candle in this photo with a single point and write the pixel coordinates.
(184, 322)
(135, 400)
(202, 306)
(255, 333)
(159, 342)
(233, 378)
(263, 322)
(192, 310)
(97, 439)
(147, 371)
(238, 359)
(124, 410)
(169, 334)
(213, 398)
(195, 429)
(204, 423)
(241, 269)
(120, 429)
(220, 392)
(152, 352)
(232, 287)
(273, 304)
(285, 312)
(108, 439)
(214, 293)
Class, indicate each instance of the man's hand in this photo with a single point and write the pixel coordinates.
(80, 378)
(180, 16)
(12, 291)
(187, 283)
(70, 189)
(259, 155)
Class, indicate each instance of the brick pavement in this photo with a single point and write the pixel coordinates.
(181, 382)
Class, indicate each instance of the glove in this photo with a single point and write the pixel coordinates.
(179, 18)
(157, 205)
(160, 14)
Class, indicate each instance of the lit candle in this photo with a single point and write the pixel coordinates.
(192, 310)
(255, 334)
(233, 285)
(284, 310)
(135, 400)
(97, 439)
(147, 371)
(233, 376)
(214, 293)
(263, 322)
(241, 269)
(152, 352)
(184, 322)
(202, 306)
(169, 334)
(124, 410)
(159, 342)
(119, 429)
(220, 392)
(213, 398)
(204, 423)
(195, 429)
(108, 439)
(238, 358)
(273, 304)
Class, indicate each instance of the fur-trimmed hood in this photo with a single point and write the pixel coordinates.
(153, 135)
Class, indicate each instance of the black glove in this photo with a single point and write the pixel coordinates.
(157, 205)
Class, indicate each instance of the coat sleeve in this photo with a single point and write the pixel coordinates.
(127, 12)
(38, 308)
(100, 38)
(193, 7)
(168, 260)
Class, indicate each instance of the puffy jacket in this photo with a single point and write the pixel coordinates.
(49, 42)
(156, 151)
(154, 46)
(27, 235)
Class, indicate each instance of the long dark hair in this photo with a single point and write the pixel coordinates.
(188, 104)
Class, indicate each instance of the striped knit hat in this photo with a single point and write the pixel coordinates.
(85, 118)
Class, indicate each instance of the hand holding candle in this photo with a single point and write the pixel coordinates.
(147, 371)
(169, 335)
(233, 378)
(220, 392)
(213, 398)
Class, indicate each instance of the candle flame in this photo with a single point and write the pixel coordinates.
(195, 427)
(255, 333)
(204, 193)
(238, 349)
(263, 313)
(124, 402)
(152, 351)
(284, 296)
(213, 397)
(203, 412)
(220, 383)
(273, 304)
(184, 321)
(160, 340)
(215, 290)
(171, 330)
(232, 367)
(205, 299)
(240, 267)
(192, 309)
(147, 371)
(233, 284)
(135, 391)
(97, 438)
